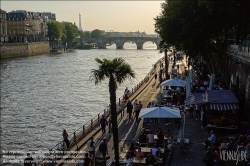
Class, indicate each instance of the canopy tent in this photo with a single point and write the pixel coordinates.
(159, 112)
(216, 99)
(173, 82)
(221, 100)
(196, 98)
(223, 106)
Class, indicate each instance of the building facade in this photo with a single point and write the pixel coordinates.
(24, 26)
(3, 27)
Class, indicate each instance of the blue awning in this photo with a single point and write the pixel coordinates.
(223, 106)
(195, 98)
(217, 99)
(220, 96)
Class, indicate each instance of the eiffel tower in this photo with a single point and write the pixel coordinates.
(80, 23)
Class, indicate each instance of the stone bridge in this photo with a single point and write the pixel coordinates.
(119, 41)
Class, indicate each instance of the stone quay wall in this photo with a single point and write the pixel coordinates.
(15, 50)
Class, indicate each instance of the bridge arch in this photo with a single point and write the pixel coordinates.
(119, 41)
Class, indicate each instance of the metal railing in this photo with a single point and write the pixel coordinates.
(86, 128)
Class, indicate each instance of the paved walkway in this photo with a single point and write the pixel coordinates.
(194, 151)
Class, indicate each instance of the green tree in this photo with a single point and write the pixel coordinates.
(97, 33)
(55, 30)
(84, 34)
(190, 25)
(117, 71)
(70, 31)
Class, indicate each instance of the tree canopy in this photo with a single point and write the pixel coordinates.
(84, 34)
(97, 33)
(55, 30)
(191, 25)
(70, 31)
(62, 31)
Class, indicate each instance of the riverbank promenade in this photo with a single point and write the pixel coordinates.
(129, 131)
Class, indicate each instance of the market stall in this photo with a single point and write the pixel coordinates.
(223, 111)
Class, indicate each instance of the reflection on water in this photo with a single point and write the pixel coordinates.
(42, 95)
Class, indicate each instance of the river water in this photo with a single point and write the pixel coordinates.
(42, 95)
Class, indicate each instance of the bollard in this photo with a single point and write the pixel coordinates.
(104, 112)
(91, 123)
(98, 117)
(83, 129)
(132, 91)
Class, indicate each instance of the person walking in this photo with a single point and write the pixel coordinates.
(110, 123)
(91, 147)
(126, 91)
(65, 138)
(129, 109)
(134, 104)
(155, 76)
(87, 160)
(137, 111)
(197, 111)
(103, 148)
(103, 123)
(191, 110)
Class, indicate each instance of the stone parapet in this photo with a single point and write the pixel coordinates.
(15, 50)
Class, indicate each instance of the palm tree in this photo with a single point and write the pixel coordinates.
(116, 70)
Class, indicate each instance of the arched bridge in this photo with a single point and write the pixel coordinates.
(119, 41)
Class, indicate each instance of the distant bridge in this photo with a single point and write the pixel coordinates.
(119, 41)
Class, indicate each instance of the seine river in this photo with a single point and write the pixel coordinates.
(42, 95)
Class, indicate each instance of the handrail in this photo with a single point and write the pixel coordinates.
(81, 132)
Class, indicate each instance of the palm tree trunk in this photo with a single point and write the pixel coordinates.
(112, 91)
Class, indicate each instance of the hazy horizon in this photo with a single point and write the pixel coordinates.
(119, 16)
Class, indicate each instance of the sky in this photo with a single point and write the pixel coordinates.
(119, 16)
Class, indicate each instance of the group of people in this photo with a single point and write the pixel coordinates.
(235, 143)
(160, 74)
(104, 123)
(136, 106)
(90, 154)
(200, 113)
(152, 158)
(147, 137)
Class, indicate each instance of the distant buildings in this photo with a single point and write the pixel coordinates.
(25, 26)
(3, 27)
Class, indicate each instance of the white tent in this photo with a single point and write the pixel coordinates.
(212, 80)
(173, 82)
(159, 112)
(190, 75)
(188, 88)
